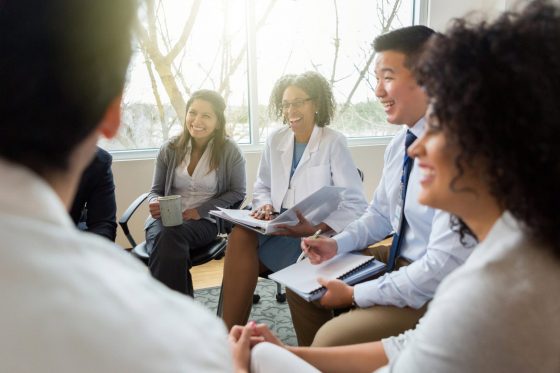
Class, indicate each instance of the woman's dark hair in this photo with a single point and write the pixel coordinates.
(180, 143)
(315, 85)
(495, 90)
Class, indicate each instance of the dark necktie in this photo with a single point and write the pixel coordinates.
(407, 166)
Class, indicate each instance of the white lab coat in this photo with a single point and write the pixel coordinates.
(325, 161)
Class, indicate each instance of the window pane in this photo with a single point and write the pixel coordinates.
(185, 45)
(197, 44)
(334, 38)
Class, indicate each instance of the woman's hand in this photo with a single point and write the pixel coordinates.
(243, 338)
(264, 334)
(240, 344)
(191, 214)
(265, 212)
(302, 229)
(153, 205)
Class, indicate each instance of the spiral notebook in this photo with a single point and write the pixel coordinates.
(301, 277)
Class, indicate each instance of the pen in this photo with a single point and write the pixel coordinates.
(316, 234)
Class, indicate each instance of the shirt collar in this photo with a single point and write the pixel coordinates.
(418, 128)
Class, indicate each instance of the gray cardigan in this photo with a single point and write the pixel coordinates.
(230, 176)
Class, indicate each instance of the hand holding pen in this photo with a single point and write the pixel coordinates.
(318, 249)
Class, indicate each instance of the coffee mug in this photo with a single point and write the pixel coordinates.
(171, 211)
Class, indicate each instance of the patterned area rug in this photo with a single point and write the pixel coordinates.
(268, 310)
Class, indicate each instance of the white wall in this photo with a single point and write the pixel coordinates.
(441, 11)
(133, 177)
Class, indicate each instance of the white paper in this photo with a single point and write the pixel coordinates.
(302, 276)
(316, 207)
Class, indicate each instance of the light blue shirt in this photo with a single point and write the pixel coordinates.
(428, 241)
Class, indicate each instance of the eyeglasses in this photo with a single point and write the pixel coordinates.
(296, 104)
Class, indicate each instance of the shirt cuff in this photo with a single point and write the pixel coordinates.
(344, 242)
(364, 294)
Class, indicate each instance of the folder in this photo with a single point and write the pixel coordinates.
(316, 207)
(301, 277)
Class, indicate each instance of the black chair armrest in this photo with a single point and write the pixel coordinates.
(123, 221)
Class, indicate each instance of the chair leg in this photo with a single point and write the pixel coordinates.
(219, 310)
(280, 297)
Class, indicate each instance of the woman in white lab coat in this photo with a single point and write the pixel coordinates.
(298, 160)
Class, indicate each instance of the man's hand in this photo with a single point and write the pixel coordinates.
(338, 294)
(153, 205)
(191, 214)
(301, 229)
(319, 249)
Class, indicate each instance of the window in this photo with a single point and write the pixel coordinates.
(240, 48)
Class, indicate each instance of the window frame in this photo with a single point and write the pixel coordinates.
(419, 17)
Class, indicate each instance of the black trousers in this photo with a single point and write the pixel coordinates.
(170, 251)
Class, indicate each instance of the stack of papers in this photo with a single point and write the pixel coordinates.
(316, 208)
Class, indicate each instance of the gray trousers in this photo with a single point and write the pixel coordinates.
(170, 250)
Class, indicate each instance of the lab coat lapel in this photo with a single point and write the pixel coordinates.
(312, 147)
(286, 150)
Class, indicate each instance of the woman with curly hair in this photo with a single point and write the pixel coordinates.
(207, 169)
(489, 157)
(298, 160)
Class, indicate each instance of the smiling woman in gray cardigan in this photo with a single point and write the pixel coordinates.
(208, 170)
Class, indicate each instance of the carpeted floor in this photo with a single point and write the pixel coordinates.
(268, 310)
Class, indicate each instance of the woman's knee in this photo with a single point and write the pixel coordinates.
(240, 238)
(168, 243)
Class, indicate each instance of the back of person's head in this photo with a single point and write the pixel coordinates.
(62, 63)
(312, 83)
(495, 91)
(407, 40)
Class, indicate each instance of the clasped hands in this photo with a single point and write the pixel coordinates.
(243, 338)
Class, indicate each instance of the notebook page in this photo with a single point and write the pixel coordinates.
(302, 276)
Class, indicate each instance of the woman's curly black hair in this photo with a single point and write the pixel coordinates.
(315, 85)
(495, 90)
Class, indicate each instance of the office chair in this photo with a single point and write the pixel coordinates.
(214, 250)
(281, 296)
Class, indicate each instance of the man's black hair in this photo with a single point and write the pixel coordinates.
(62, 63)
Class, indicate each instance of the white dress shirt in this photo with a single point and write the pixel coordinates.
(497, 313)
(75, 302)
(428, 241)
(199, 187)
